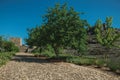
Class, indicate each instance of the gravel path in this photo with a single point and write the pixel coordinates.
(26, 67)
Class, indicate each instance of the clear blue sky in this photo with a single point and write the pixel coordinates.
(18, 15)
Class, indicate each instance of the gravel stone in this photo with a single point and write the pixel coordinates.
(25, 66)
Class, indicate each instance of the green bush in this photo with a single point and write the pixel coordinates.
(5, 56)
(7, 46)
(100, 62)
(73, 59)
(48, 52)
(36, 50)
(114, 64)
(81, 60)
(15, 49)
(10, 46)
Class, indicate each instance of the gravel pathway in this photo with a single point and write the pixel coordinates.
(26, 67)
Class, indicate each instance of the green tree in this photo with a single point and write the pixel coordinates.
(106, 34)
(33, 37)
(62, 28)
(36, 37)
(65, 28)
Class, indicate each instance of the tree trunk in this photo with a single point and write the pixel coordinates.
(56, 50)
(106, 54)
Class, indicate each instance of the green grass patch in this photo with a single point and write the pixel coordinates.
(81, 60)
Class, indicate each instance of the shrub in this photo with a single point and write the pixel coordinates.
(10, 46)
(7, 46)
(4, 57)
(100, 62)
(48, 51)
(114, 64)
(81, 60)
(36, 50)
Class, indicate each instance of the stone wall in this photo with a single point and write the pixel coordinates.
(17, 41)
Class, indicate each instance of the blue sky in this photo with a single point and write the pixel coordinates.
(18, 15)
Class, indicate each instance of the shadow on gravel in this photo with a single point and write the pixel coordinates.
(31, 58)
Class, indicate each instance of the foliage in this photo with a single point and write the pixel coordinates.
(48, 51)
(1, 42)
(65, 28)
(36, 51)
(81, 60)
(105, 34)
(34, 35)
(100, 62)
(7, 46)
(62, 28)
(114, 64)
(5, 56)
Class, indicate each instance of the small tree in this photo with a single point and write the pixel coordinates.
(65, 28)
(106, 34)
(62, 28)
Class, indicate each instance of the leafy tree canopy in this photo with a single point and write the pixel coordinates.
(62, 28)
(105, 33)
